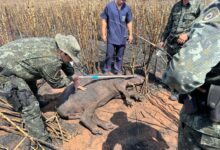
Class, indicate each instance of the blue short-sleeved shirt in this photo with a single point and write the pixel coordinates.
(117, 21)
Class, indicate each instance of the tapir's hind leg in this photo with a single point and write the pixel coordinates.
(103, 124)
(87, 119)
(122, 88)
(73, 116)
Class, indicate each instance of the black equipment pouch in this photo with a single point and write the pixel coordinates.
(190, 106)
(172, 45)
(171, 39)
(213, 102)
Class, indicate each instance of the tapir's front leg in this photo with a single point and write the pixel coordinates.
(103, 124)
(87, 119)
(122, 88)
(136, 96)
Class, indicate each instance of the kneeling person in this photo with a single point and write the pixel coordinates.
(23, 62)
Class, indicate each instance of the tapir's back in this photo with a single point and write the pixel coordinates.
(96, 91)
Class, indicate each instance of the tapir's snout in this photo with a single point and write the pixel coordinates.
(136, 80)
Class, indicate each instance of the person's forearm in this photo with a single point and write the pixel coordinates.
(104, 27)
(129, 25)
(59, 90)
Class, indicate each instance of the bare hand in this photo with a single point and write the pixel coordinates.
(76, 80)
(161, 45)
(182, 38)
(130, 39)
(104, 38)
(202, 90)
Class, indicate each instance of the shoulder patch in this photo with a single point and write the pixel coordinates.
(211, 14)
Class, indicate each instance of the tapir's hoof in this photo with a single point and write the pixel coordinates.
(108, 126)
(141, 98)
(96, 131)
(129, 102)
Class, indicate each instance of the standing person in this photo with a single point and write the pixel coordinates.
(116, 20)
(195, 73)
(177, 30)
(23, 62)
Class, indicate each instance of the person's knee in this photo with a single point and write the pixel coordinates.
(119, 58)
(26, 97)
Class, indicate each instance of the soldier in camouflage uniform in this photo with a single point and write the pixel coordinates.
(178, 26)
(193, 72)
(24, 61)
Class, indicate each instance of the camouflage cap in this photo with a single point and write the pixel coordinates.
(69, 45)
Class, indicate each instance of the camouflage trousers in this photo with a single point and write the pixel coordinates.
(199, 133)
(18, 93)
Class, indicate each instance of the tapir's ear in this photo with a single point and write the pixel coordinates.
(129, 83)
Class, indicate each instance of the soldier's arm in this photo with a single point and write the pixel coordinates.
(53, 76)
(129, 25)
(189, 68)
(104, 16)
(67, 69)
(168, 27)
(200, 8)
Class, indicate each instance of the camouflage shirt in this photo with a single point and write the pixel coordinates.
(197, 63)
(181, 18)
(32, 59)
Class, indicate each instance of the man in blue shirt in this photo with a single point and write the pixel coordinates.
(116, 29)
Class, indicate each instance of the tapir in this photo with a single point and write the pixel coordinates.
(82, 104)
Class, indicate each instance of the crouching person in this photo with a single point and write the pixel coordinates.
(23, 62)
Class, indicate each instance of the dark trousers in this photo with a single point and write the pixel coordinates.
(119, 50)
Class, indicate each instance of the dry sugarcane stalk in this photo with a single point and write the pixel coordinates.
(56, 132)
(14, 125)
(34, 139)
(17, 127)
(12, 113)
(3, 147)
(60, 129)
(4, 101)
(51, 118)
(8, 129)
(53, 129)
(16, 147)
(53, 126)
(6, 106)
(56, 128)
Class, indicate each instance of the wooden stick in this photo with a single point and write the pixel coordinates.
(3, 147)
(107, 77)
(34, 139)
(6, 106)
(60, 129)
(4, 101)
(16, 147)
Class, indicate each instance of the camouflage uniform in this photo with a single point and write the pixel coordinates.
(22, 62)
(180, 20)
(197, 64)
